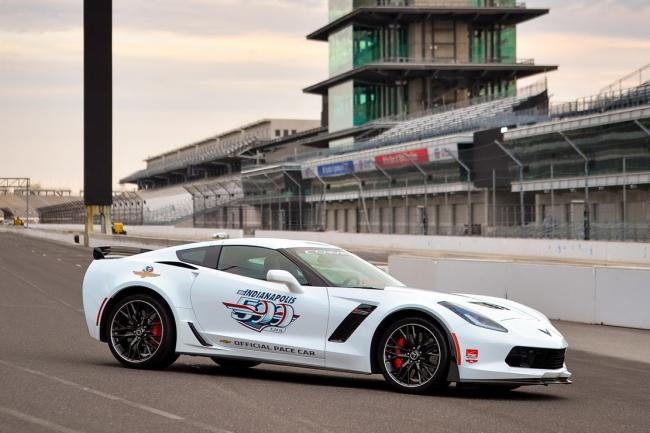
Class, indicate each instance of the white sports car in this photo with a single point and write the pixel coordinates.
(242, 302)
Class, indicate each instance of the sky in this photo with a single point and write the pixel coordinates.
(188, 69)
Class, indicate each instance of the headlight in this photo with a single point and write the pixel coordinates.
(474, 318)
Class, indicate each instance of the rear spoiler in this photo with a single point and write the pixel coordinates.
(100, 253)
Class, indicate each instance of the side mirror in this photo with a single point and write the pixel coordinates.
(284, 277)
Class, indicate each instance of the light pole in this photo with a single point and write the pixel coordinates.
(521, 180)
(587, 218)
(469, 192)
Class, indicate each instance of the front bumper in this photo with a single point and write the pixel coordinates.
(560, 380)
(483, 354)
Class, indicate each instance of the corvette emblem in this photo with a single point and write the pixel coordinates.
(546, 331)
(146, 272)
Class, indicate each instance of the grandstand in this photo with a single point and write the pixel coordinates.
(214, 156)
(423, 131)
(421, 185)
(500, 111)
(14, 201)
(127, 208)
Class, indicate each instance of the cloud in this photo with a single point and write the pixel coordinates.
(227, 49)
(587, 63)
(613, 18)
(197, 17)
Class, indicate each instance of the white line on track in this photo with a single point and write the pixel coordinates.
(43, 291)
(52, 307)
(149, 409)
(35, 420)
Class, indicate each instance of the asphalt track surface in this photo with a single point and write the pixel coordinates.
(55, 378)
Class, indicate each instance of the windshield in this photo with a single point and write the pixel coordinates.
(343, 269)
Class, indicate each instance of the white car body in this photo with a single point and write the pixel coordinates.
(298, 327)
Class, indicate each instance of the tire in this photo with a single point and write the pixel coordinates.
(142, 333)
(234, 364)
(413, 356)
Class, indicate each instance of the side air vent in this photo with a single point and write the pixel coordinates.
(179, 265)
(197, 335)
(351, 323)
(489, 305)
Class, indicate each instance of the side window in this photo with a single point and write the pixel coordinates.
(202, 256)
(255, 262)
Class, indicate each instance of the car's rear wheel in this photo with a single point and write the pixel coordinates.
(141, 332)
(234, 364)
(413, 356)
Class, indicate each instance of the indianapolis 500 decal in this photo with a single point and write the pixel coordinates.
(261, 311)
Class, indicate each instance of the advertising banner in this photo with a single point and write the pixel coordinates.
(402, 159)
(336, 169)
(393, 160)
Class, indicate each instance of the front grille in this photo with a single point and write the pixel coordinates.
(535, 357)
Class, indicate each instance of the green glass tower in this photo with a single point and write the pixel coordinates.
(395, 57)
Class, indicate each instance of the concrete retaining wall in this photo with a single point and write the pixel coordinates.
(557, 249)
(151, 231)
(616, 296)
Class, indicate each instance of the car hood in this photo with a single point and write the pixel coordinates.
(497, 309)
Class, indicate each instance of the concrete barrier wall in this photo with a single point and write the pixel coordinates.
(590, 294)
(558, 249)
(151, 231)
(623, 297)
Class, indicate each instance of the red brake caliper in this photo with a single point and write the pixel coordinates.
(398, 362)
(156, 330)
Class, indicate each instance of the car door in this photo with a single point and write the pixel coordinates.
(241, 312)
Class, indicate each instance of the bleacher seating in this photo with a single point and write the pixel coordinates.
(165, 205)
(16, 205)
(447, 122)
(214, 193)
(199, 155)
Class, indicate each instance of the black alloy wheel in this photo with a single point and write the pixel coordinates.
(141, 333)
(413, 356)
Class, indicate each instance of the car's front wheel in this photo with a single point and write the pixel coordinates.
(141, 332)
(413, 356)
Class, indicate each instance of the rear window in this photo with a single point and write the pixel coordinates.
(202, 256)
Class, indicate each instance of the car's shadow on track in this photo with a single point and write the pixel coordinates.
(351, 381)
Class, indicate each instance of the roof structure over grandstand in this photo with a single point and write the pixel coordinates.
(387, 70)
(217, 155)
(375, 13)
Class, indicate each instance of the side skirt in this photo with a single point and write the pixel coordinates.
(522, 382)
(286, 364)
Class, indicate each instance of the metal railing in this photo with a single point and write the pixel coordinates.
(601, 103)
(451, 60)
(636, 232)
